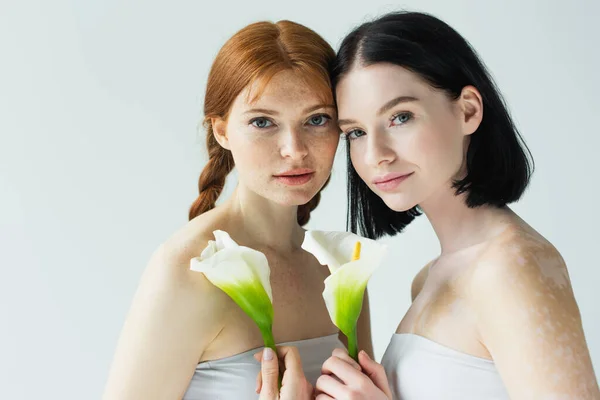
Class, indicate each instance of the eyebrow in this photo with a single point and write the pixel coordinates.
(273, 112)
(386, 107)
(261, 111)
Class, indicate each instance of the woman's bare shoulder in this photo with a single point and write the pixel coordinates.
(526, 310)
(419, 281)
(168, 270)
(522, 253)
(189, 240)
(175, 315)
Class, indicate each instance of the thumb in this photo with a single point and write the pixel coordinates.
(270, 373)
(375, 372)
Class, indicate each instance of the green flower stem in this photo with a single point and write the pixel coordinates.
(269, 340)
(267, 334)
(353, 344)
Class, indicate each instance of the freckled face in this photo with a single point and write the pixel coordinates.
(284, 142)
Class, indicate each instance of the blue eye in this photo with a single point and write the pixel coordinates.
(261, 123)
(354, 134)
(319, 120)
(400, 119)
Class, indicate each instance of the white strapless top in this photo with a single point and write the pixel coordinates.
(421, 369)
(234, 378)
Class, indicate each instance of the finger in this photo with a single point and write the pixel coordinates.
(330, 386)
(258, 357)
(343, 355)
(375, 372)
(293, 376)
(291, 359)
(323, 396)
(258, 382)
(270, 373)
(342, 370)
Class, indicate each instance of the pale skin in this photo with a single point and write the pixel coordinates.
(178, 318)
(365, 379)
(293, 383)
(498, 290)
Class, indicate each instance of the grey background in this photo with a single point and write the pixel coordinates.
(99, 158)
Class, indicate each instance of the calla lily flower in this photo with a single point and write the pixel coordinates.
(352, 260)
(243, 273)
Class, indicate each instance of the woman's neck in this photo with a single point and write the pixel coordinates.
(457, 226)
(263, 221)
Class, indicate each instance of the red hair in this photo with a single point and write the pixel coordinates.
(254, 55)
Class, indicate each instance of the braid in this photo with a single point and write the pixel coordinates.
(212, 179)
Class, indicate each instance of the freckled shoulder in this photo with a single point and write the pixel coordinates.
(170, 262)
(190, 240)
(419, 281)
(174, 317)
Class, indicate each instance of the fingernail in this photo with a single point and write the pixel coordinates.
(267, 354)
(365, 354)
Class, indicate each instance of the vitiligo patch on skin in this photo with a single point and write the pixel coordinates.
(509, 299)
(529, 319)
(441, 312)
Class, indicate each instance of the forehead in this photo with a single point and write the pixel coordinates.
(375, 84)
(286, 88)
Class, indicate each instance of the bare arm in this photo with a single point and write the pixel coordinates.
(531, 325)
(175, 314)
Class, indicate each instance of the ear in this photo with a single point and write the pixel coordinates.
(471, 108)
(219, 128)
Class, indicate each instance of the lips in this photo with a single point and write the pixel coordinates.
(296, 172)
(295, 177)
(391, 181)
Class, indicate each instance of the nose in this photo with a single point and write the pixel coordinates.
(378, 150)
(293, 144)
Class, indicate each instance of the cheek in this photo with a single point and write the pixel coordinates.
(250, 147)
(322, 145)
(357, 157)
(324, 148)
(439, 151)
(427, 147)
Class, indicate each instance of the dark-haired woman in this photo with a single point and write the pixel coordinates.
(493, 316)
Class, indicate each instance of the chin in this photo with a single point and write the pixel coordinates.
(399, 203)
(300, 198)
(297, 195)
(293, 198)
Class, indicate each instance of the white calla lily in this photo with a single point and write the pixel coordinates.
(243, 273)
(352, 260)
